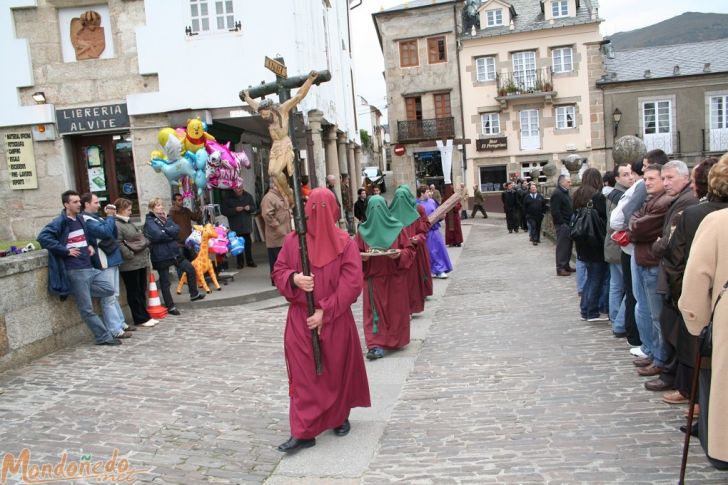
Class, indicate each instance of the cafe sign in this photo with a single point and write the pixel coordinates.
(488, 144)
(21, 160)
(73, 121)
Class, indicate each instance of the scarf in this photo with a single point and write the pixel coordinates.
(403, 206)
(380, 229)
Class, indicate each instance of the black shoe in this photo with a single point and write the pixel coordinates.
(252, 265)
(375, 353)
(344, 429)
(510, 231)
(693, 431)
(241, 266)
(173, 311)
(198, 296)
(294, 444)
(620, 334)
(114, 341)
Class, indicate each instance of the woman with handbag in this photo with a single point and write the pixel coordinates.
(704, 281)
(135, 251)
(590, 205)
(162, 232)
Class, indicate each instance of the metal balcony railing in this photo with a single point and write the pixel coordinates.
(715, 140)
(530, 81)
(429, 129)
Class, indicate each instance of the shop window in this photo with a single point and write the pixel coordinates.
(493, 178)
(526, 168)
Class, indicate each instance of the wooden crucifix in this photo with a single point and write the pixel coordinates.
(282, 154)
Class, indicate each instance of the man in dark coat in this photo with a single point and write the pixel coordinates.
(534, 208)
(239, 208)
(510, 207)
(676, 180)
(561, 210)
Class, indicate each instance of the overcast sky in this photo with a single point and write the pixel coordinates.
(618, 15)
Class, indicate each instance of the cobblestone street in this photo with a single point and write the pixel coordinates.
(502, 384)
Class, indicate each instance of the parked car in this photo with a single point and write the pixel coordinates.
(373, 176)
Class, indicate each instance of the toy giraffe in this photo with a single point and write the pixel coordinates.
(202, 263)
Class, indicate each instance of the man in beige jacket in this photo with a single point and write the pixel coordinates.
(277, 221)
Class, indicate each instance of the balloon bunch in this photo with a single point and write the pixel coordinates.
(192, 155)
(224, 242)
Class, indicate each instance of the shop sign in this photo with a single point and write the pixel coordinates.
(486, 144)
(73, 121)
(21, 160)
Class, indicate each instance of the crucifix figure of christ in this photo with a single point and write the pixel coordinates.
(276, 116)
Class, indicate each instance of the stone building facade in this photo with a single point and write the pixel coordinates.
(91, 124)
(528, 82)
(423, 88)
(674, 97)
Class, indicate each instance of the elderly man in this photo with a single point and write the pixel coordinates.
(561, 210)
(676, 182)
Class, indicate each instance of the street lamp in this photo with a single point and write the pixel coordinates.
(39, 97)
(616, 118)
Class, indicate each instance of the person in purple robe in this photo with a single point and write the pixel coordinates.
(439, 259)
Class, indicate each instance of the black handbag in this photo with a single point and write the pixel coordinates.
(587, 225)
(706, 335)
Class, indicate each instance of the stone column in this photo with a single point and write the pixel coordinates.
(352, 169)
(357, 178)
(343, 165)
(332, 159)
(315, 118)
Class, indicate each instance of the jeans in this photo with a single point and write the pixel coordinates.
(563, 247)
(85, 284)
(113, 316)
(616, 297)
(581, 275)
(534, 229)
(595, 275)
(647, 313)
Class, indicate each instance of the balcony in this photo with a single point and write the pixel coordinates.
(430, 129)
(533, 83)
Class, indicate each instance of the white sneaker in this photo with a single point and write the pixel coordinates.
(598, 319)
(637, 352)
(442, 276)
(149, 323)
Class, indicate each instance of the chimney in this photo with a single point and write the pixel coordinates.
(706, 67)
(648, 74)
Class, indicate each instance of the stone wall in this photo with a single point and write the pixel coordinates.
(33, 322)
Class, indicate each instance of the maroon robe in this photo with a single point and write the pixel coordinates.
(423, 257)
(322, 402)
(386, 279)
(419, 278)
(453, 231)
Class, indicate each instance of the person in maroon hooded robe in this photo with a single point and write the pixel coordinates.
(386, 294)
(321, 402)
(453, 231)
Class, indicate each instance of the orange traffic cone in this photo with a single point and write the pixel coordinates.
(154, 307)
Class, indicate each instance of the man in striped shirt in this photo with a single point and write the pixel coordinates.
(72, 266)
